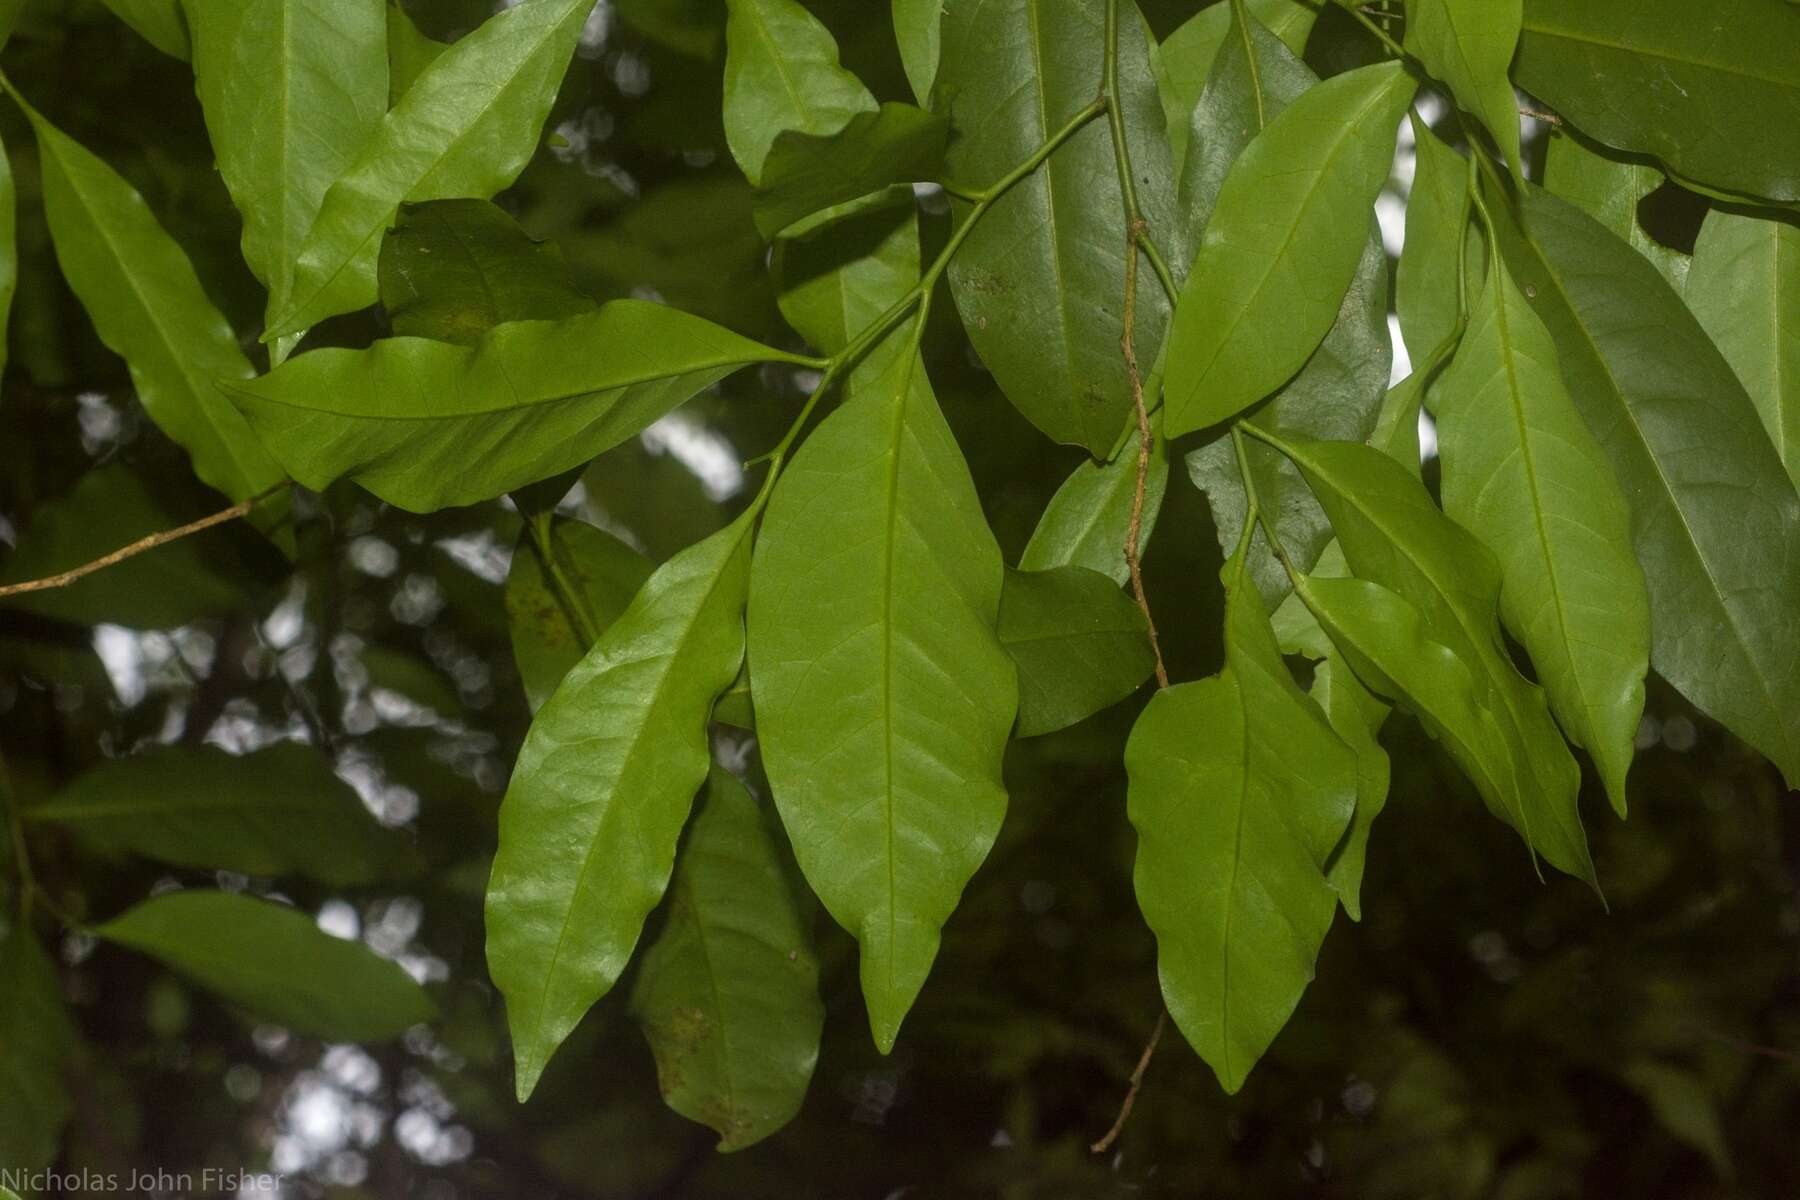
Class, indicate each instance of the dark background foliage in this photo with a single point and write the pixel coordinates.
(1480, 1033)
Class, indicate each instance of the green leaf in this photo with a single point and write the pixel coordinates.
(837, 277)
(409, 51)
(1718, 532)
(275, 963)
(454, 269)
(1610, 190)
(600, 792)
(424, 424)
(603, 574)
(1745, 289)
(1239, 792)
(1392, 534)
(1080, 645)
(148, 307)
(159, 22)
(291, 89)
(1086, 522)
(1356, 715)
(278, 811)
(918, 26)
(185, 580)
(1282, 246)
(691, 27)
(1041, 280)
(1718, 100)
(9, 246)
(728, 994)
(734, 705)
(1684, 1105)
(1186, 57)
(883, 697)
(805, 173)
(1524, 474)
(466, 128)
(1428, 281)
(781, 74)
(1469, 45)
(36, 1040)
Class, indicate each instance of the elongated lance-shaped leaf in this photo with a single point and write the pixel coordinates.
(1356, 715)
(147, 305)
(1716, 95)
(162, 23)
(1079, 643)
(1392, 534)
(409, 51)
(782, 73)
(1088, 519)
(1282, 246)
(277, 811)
(1610, 190)
(806, 173)
(291, 90)
(1745, 288)
(36, 1040)
(1239, 793)
(424, 424)
(836, 277)
(728, 994)
(1714, 517)
(883, 697)
(1469, 45)
(1040, 281)
(275, 963)
(601, 790)
(918, 28)
(465, 129)
(557, 565)
(1186, 58)
(1524, 474)
(1430, 277)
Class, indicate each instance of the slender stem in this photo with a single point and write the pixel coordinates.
(574, 602)
(1257, 515)
(1134, 528)
(241, 508)
(1394, 48)
(1137, 1082)
(1157, 263)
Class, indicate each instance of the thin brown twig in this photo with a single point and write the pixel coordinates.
(1128, 343)
(151, 542)
(1539, 114)
(1137, 1081)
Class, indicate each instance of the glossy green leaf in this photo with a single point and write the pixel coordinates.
(1040, 282)
(147, 306)
(1469, 45)
(1239, 793)
(728, 994)
(1086, 521)
(1523, 473)
(291, 89)
(1429, 279)
(1610, 190)
(424, 424)
(781, 74)
(559, 562)
(734, 706)
(110, 506)
(1356, 715)
(454, 269)
(36, 1040)
(600, 792)
(836, 278)
(918, 27)
(278, 811)
(1714, 518)
(159, 22)
(1079, 643)
(274, 963)
(805, 172)
(1185, 59)
(466, 128)
(1745, 289)
(1282, 246)
(1717, 99)
(1392, 534)
(409, 51)
(883, 697)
